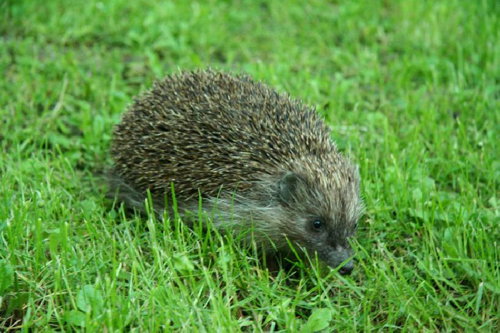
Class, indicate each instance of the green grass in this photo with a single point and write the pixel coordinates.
(411, 89)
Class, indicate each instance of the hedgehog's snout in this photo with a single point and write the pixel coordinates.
(341, 257)
(347, 268)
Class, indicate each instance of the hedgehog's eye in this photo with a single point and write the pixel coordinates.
(317, 224)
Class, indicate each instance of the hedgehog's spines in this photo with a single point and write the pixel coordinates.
(205, 129)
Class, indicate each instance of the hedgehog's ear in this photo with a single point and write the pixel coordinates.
(288, 186)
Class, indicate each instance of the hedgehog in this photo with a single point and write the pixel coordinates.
(259, 159)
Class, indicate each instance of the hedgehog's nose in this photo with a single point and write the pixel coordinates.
(347, 268)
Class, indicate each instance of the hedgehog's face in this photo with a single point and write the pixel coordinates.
(323, 223)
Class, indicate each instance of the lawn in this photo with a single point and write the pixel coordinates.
(411, 90)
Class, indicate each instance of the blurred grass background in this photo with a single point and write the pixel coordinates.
(411, 89)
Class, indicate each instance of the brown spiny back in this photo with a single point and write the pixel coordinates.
(202, 130)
